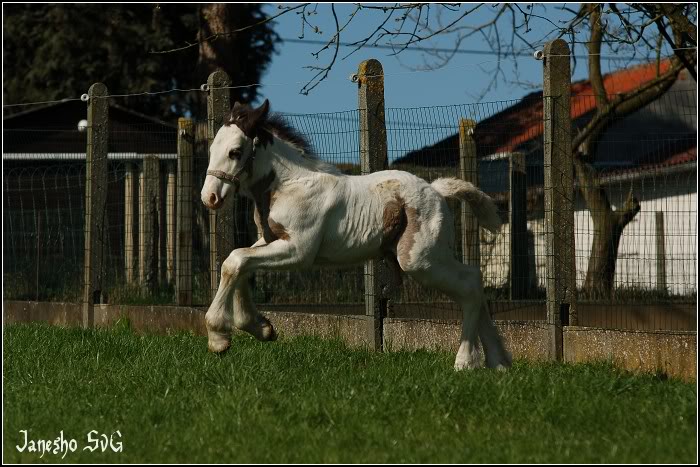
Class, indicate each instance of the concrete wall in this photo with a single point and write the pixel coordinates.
(172, 319)
(525, 340)
(671, 352)
(668, 352)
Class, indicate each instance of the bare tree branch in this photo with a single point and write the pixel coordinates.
(323, 72)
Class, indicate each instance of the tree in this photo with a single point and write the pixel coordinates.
(55, 51)
(635, 30)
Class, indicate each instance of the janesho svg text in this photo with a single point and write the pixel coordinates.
(61, 445)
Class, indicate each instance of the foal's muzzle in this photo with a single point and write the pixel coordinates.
(214, 201)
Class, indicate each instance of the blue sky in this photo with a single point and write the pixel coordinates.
(460, 82)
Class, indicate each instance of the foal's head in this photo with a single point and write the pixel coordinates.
(232, 152)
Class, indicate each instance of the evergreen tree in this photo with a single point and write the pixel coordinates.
(54, 51)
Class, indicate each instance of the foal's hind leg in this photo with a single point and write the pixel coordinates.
(463, 284)
(496, 354)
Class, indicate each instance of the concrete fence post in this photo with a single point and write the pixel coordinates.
(373, 157)
(129, 221)
(468, 170)
(221, 222)
(558, 194)
(661, 284)
(149, 219)
(183, 256)
(519, 280)
(95, 200)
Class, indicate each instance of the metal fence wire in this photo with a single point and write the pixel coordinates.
(651, 155)
(636, 201)
(335, 139)
(426, 142)
(43, 222)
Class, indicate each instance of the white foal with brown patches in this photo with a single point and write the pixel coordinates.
(311, 214)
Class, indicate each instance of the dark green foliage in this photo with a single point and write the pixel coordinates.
(54, 51)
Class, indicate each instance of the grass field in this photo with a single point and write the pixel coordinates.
(309, 400)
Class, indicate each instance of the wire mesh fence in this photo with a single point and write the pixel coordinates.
(651, 154)
(636, 217)
(426, 142)
(335, 139)
(138, 220)
(43, 237)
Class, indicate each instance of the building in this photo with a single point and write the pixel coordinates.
(44, 170)
(652, 152)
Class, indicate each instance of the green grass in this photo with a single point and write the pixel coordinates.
(310, 400)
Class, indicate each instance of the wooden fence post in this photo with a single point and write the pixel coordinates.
(221, 222)
(469, 171)
(129, 185)
(373, 157)
(171, 186)
(661, 284)
(558, 194)
(37, 219)
(149, 217)
(95, 199)
(185, 143)
(519, 280)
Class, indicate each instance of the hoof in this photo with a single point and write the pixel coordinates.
(219, 347)
(268, 333)
(262, 330)
(467, 365)
(501, 364)
(219, 342)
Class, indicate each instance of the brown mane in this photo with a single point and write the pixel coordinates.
(274, 124)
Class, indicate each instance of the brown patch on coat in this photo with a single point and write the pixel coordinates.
(393, 223)
(392, 186)
(277, 230)
(408, 238)
(273, 198)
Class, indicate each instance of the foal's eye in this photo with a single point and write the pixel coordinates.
(234, 154)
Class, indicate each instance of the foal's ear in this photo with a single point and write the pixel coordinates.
(259, 115)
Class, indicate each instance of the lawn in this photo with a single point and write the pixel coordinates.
(309, 400)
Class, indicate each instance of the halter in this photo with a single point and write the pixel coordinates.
(233, 178)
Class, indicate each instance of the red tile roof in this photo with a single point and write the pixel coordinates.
(529, 118)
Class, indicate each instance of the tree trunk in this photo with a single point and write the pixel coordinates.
(607, 231)
(608, 224)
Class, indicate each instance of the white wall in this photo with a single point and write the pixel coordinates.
(636, 263)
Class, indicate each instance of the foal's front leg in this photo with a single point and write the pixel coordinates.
(246, 317)
(218, 317)
(280, 254)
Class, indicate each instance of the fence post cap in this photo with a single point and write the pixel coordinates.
(97, 89)
(466, 127)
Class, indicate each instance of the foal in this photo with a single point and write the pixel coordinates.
(311, 214)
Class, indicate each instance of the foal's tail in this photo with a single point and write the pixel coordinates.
(482, 205)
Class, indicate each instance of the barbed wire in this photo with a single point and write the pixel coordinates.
(206, 88)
